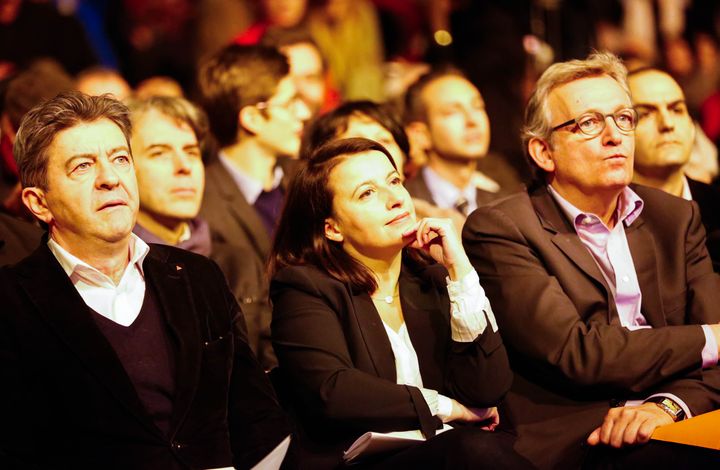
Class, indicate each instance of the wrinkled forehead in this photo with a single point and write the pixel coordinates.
(599, 93)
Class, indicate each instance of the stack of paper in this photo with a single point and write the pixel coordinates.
(372, 443)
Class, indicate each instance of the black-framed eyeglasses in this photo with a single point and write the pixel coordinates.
(593, 123)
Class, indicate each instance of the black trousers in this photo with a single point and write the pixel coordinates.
(457, 449)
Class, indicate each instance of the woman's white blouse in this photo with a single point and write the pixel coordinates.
(470, 314)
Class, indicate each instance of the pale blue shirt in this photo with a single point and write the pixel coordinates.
(249, 187)
(445, 194)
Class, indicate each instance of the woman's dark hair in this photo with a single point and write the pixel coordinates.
(328, 126)
(300, 238)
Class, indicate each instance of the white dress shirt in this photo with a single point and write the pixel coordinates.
(120, 303)
(470, 314)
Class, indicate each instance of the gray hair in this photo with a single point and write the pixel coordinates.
(537, 113)
(176, 108)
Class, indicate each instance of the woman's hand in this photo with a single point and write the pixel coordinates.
(439, 238)
(475, 415)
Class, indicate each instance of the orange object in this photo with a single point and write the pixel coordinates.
(701, 431)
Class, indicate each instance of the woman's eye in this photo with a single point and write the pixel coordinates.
(366, 193)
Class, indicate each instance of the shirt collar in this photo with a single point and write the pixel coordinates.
(444, 192)
(250, 188)
(686, 194)
(629, 207)
(71, 264)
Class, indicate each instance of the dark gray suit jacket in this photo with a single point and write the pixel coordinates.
(67, 402)
(233, 220)
(570, 355)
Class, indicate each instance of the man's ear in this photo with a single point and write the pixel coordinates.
(34, 199)
(419, 136)
(250, 118)
(541, 153)
(332, 231)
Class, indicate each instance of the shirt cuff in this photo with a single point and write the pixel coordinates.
(710, 351)
(470, 310)
(440, 405)
(674, 398)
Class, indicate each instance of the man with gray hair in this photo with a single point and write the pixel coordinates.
(113, 353)
(605, 292)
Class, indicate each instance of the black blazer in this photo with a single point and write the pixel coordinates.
(67, 402)
(338, 364)
(231, 217)
(17, 239)
(708, 198)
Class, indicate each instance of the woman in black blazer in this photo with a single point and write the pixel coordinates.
(367, 335)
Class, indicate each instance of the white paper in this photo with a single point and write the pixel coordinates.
(372, 443)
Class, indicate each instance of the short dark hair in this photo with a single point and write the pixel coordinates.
(42, 123)
(300, 238)
(176, 108)
(330, 125)
(236, 77)
(415, 109)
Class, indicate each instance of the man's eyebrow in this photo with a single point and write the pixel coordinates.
(69, 161)
(118, 149)
(158, 144)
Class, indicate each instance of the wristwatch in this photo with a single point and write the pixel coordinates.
(669, 406)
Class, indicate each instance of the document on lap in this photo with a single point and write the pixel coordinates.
(372, 443)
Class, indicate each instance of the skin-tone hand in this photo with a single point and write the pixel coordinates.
(629, 425)
(440, 239)
(465, 414)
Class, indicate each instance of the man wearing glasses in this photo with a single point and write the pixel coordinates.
(257, 117)
(604, 292)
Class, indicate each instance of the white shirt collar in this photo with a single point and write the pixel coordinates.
(686, 194)
(445, 194)
(71, 264)
(250, 188)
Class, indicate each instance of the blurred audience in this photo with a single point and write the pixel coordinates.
(307, 67)
(31, 30)
(446, 121)
(348, 35)
(158, 86)
(98, 81)
(42, 80)
(257, 116)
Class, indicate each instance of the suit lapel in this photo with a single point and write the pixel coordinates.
(375, 337)
(242, 212)
(170, 283)
(61, 306)
(564, 236)
(642, 247)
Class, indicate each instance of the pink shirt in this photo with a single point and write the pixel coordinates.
(610, 249)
